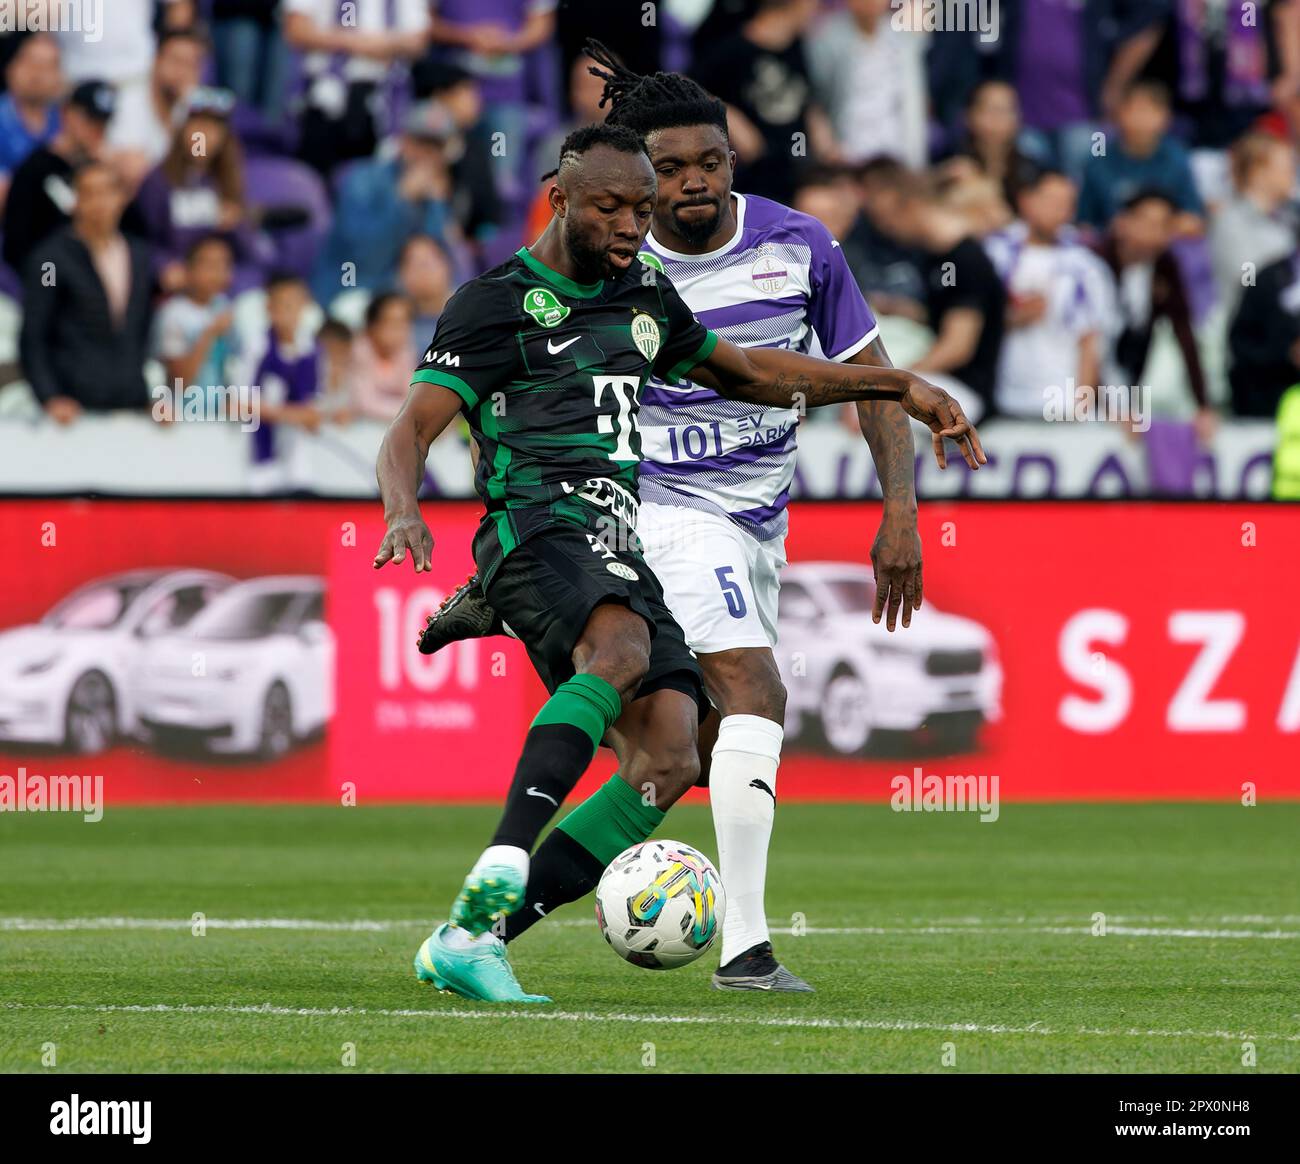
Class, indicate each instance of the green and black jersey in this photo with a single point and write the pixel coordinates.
(550, 373)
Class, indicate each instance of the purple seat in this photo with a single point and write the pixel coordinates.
(283, 182)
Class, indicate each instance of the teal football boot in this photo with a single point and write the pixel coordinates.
(480, 971)
(488, 893)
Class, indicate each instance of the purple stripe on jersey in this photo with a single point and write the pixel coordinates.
(653, 396)
(746, 456)
(763, 513)
(750, 312)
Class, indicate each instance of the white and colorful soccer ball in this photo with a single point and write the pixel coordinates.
(660, 904)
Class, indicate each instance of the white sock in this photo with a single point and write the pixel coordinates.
(745, 759)
(458, 939)
(509, 855)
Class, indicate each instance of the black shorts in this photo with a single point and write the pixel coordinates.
(547, 588)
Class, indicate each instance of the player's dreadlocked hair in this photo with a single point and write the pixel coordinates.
(617, 137)
(649, 103)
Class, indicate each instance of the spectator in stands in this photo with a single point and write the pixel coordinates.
(198, 190)
(1256, 226)
(585, 92)
(87, 307)
(888, 272)
(251, 56)
(383, 201)
(1070, 60)
(29, 109)
(1058, 303)
(144, 124)
(489, 39)
(335, 344)
(993, 142)
(1142, 155)
(424, 275)
(476, 203)
(124, 52)
(1264, 341)
(383, 358)
(761, 72)
(195, 337)
(40, 196)
(351, 71)
(830, 195)
(965, 299)
(288, 374)
(1148, 286)
(870, 78)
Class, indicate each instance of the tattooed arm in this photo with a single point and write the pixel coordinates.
(785, 379)
(896, 552)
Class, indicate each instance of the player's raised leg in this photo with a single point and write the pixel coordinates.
(658, 757)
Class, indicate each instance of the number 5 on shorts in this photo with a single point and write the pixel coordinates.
(732, 591)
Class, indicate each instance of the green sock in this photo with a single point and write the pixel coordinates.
(587, 702)
(611, 819)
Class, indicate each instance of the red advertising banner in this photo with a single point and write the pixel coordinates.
(217, 650)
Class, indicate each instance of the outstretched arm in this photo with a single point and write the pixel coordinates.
(429, 409)
(896, 552)
(785, 379)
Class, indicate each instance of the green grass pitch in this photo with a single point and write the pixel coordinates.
(936, 944)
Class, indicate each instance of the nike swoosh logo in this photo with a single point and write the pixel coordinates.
(534, 792)
(537, 905)
(762, 784)
(555, 349)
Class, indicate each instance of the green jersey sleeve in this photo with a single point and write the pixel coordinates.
(688, 341)
(473, 351)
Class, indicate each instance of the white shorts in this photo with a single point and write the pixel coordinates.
(720, 583)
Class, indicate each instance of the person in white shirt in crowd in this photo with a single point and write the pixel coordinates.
(870, 79)
(1257, 225)
(1058, 303)
(349, 71)
(146, 118)
(195, 336)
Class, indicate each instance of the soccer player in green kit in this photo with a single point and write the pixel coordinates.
(546, 356)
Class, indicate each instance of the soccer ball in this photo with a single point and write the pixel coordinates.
(660, 904)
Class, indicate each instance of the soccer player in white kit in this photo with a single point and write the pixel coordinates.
(714, 484)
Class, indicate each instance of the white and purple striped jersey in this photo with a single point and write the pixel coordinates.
(780, 282)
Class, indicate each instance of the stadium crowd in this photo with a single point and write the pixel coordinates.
(285, 192)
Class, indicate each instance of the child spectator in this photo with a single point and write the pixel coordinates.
(1145, 157)
(1256, 225)
(383, 359)
(1058, 302)
(335, 343)
(196, 338)
(424, 276)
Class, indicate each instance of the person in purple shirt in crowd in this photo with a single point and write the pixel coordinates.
(489, 39)
(197, 192)
(29, 110)
(1145, 156)
(289, 378)
(1070, 60)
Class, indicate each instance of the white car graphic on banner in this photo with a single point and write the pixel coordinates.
(65, 680)
(849, 679)
(253, 674)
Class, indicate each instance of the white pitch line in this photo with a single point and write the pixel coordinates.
(538, 1014)
(363, 925)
